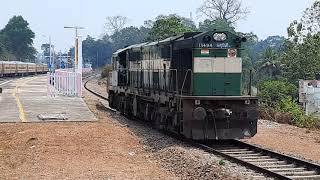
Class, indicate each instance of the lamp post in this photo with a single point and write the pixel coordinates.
(77, 51)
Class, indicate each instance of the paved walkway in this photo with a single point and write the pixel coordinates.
(25, 100)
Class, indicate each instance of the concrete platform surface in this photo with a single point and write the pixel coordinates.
(26, 100)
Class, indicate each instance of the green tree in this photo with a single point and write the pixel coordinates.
(302, 54)
(302, 61)
(271, 92)
(253, 55)
(269, 67)
(18, 38)
(128, 36)
(167, 26)
(278, 100)
(308, 25)
(247, 54)
(3, 49)
(219, 25)
(97, 52)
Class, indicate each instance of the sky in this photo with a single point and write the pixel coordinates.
(48, 17)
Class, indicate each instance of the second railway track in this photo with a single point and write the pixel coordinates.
(270, 163)
(87, 79)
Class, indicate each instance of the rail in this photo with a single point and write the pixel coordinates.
(264, 161)
(91, 91)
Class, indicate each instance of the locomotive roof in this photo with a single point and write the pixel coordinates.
(148, 44)
(130, 47)
(180, 37)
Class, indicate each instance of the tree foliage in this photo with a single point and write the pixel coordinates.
(18, 38)
(302, 61)
(230, 11)
(167, 26)
(128, 36)
(271, 92)
(3, 50)
(302, 54)
(278, 98)
(270, 66)
(262, 56)
(219, 25)
(308, 25)
(97, 52)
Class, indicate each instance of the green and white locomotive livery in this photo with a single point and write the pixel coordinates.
(188, 84)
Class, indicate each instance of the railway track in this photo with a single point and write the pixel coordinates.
(264, 161)
(270, 163)
(87, 79)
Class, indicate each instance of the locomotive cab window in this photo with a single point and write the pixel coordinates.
(166, 52)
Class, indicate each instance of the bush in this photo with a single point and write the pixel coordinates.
(288, 112)
(277, 104)
(274, 115)
(221, 162)
(271, 92)
(287, 105)
(297, 114)
(105, 71)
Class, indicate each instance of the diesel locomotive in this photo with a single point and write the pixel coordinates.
(189, 84)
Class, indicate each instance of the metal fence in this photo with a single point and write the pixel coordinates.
(64, 82)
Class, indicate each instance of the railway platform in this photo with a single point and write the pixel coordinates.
(25, 100)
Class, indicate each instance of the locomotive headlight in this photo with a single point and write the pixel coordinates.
(219, 36)
(199, 113)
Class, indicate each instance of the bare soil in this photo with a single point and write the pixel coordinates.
(287, 139)
(99, 150)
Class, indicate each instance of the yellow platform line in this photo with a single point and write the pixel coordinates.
(22, 114)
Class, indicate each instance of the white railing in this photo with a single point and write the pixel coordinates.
(64, 82)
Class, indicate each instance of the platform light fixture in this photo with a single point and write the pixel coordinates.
(76, 49)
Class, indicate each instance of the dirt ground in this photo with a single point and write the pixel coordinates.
(99, 150)
(299, 142)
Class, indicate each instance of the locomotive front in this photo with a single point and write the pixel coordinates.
(217, 109)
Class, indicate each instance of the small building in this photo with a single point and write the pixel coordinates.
(309, 96)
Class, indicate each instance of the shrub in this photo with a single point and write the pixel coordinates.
(271, 92)
(274, 115)
(221, 162)
(277, 104)
(287, 105)
(105, 71)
